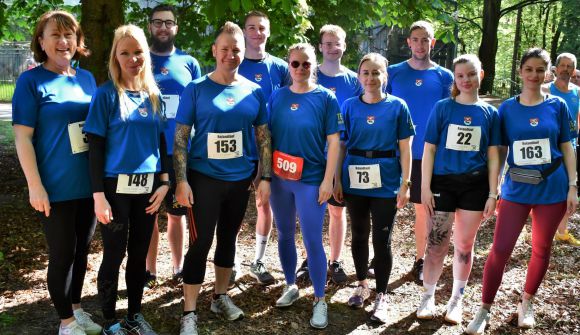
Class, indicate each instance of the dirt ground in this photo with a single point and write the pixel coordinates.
(25, 307)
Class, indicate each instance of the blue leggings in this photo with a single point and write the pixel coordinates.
(287, 198)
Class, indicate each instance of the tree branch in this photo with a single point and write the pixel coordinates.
(523, 4)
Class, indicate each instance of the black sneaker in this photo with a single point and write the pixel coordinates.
(302, 273)
(259, 271)
(150, 280)
(371, 269)
(418, 271)
(337, 274)
(177, 278)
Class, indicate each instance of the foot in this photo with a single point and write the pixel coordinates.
(567, 238)
(371, 269)
(177, 278)
(454, 313)
(479, 322)
(289, 295)
(359, 296)
(84, 321)
(225, 307)
(418, 271)
(259, 271)
(302, 273)
(139, 325)
(319, 318)
(116, 329)
(150, 280)
(380, 312)
(526, 314)
(72, 328)
(337, 274)
(426, 310)
(188, 324)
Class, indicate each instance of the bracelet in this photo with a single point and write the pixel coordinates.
(572, 185)
(492, 195)
(266, 178)
(165, 183)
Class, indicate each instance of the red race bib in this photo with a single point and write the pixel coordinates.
(287, 166)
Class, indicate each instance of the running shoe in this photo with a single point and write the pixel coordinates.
(418, 271)
(479, 322)
(177, 278)
(319, 318)
(289, 295)
(426, 309)
(454, 313)
(380, 312)
(337, 274)
(116, 329)
(567, 238)
(359, 296)
(225, 307)
(259, 271)
(526, 314)
(72, 328)
(84, 320)
(150, 280)
(139, 326)
(188, 325)
(302, 274)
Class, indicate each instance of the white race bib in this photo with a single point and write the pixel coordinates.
(463, 138)
(171, 104)
(532, 152)
(78, 139)
(364, 176)
(224, 145)
(138, 183)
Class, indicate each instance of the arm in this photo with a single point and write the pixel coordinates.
(27, 156)
(493, 171)
(97, 145)
(405, 159)
(338, 196)
(183, 192)
(325, 189)
(159, 194)
(264, 140)
(426, 174)
(570, 164)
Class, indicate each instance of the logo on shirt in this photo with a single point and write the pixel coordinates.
(534, 121)
(418, 82)
(143, 111)
(230, 101)
(164, 71)
(294, 107)
(339, 117)
(370, 119)
(467, 120)
(258, 77)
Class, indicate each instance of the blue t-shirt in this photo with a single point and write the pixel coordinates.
(454, 127)
(270, 73)
(300, 123)
(573, 104)
(132, 142)
(379, 127)
(219, 113)
(420, 89)
(547, 120)
(345, 85)
(172, 74)
(49, 103)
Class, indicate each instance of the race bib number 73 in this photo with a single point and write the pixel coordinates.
(364, 176)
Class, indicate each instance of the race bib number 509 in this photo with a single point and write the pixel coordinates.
(287, 166)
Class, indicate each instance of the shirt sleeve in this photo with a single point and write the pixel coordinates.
(344, 110)
(432, 132)
(25, 102)
(334, 122)
(567, 125)
(195, 69)
(495, 128)
(262, 112)
(447, 82)
(405, 126)
(186, 109)
(98, 118)
(502, 114)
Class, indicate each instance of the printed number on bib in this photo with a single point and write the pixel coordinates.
(78, 139)
(364, 176)
(287, 166)
(139, 183)
(224, 145)
(532, 152)
(463, 138)
(171, 104)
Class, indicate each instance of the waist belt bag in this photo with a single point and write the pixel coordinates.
(534, 177)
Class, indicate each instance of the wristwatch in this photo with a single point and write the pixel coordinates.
(266, 178)
(408, 183)
(165, 182)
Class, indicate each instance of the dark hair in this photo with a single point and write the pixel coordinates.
(163, 8)
(536, 53)
(428, 27)
(228, 28)
(255, 13)
(64, 21)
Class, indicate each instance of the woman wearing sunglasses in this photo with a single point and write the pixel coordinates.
(303, 118)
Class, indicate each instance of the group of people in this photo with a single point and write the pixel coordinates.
(302, 135)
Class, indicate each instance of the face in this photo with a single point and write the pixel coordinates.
(163, 36)
(533, 72)
(59, 46)
(575, 78)
(228, 51)
(420, 44)
(256, 32)
(332, 47)
(130, 57)
(467, 77)
(565, 69)
(302, 73)
(372, 76)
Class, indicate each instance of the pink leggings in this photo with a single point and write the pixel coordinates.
(509, 224)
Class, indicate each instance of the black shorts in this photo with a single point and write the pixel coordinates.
(467, 191)
(415, 182)
(171, 205)
(335, 203)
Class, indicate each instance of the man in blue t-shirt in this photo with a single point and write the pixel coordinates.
(562, 87)
(173, 70)
(421, 83)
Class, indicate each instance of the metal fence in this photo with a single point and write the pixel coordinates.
(14, 59)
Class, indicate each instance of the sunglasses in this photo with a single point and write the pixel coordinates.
(305, 65)
(158, 23)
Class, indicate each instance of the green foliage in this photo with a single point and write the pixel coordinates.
(569, 27)
(6, 92)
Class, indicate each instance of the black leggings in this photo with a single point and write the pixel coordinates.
(216, 203)
(129, 231)
(68, 231)
(383, 212)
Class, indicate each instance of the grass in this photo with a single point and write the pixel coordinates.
(6, 92)
(6, 135)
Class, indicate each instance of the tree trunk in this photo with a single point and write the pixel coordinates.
(488, 46)
(99, 20)
(516, 53)
(545, 28)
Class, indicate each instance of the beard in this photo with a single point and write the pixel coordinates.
(162, 46)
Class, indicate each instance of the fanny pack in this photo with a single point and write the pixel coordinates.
(534, 177)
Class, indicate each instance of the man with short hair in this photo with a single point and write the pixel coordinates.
(173, 70)
(575, 79)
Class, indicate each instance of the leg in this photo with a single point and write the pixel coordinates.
(360, 225)
(85, 229)
(153, 249)
(263, 229)
(440, 226)
(464, 232)
(420, 231)
(383, 212)
(336, 231)
(175, 232)
(283, 207)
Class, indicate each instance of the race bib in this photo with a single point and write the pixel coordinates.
(287, 166)
(364, 176)
(224, 145)
(171, 104)
(532, 152)
(463, 138)
(78, 139)
(138, 183)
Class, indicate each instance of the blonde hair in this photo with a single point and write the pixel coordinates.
(309, 50)
(463, 59)
(145, 80)
(229, 28)
(332, 29)
(375, 58)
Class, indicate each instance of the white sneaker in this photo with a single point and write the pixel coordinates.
(526, 314)
(479, 322)
(380, 312)
(84, 320)
(225, 306)
(188, 325)
(319, 318)
(72, 328)
(289, 295)
(426, 309)
(454, 313)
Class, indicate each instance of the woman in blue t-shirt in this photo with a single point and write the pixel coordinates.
(536, 128)
(49, 108)
(459, 181)
(128, 158)
(373, 178)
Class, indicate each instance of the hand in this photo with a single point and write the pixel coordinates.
(183, 194)
(156, 199)
(103, 210)
(403, 196)
(263, 193)
(324, 191)
(39, 199)
(337, 193)
(428, 201)
(489, 208)
(572, 200)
